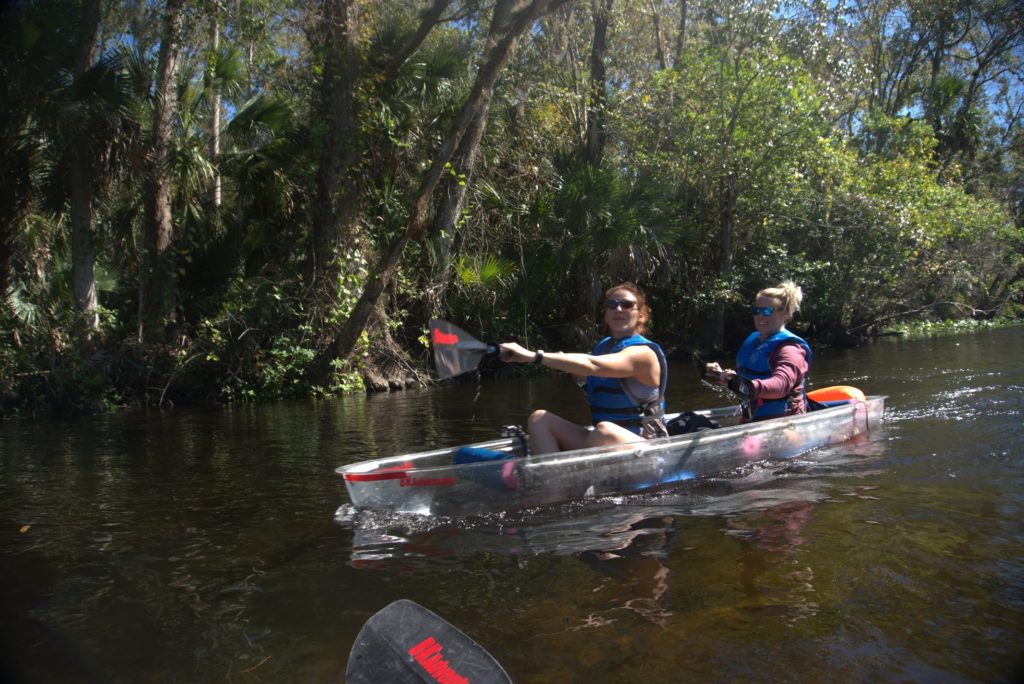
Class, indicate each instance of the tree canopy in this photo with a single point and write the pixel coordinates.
(268, 198)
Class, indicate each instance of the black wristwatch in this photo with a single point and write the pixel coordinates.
(741, 386)
(538, 356)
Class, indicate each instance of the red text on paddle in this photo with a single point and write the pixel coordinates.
(428, 654)
(444, 338)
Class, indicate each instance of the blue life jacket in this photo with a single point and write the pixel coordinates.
(611, 400)
(752, 364)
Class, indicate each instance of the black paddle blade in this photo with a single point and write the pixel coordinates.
(456, 351)
(407, 644)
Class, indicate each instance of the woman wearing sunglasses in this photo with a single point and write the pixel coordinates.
(626, 375)
(772, 364)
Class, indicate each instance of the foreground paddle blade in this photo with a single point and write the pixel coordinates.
(407, 644)
(456, 351)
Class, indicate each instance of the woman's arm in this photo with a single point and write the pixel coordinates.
(789, 366)
(638, 362)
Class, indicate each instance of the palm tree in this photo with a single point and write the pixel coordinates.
(156, 299)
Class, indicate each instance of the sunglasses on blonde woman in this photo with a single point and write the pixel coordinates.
(624, 304)
(763, 310)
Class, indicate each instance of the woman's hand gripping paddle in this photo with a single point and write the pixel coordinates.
(456, 351)
(407, 644)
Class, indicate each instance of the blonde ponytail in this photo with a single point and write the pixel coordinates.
(787, 293)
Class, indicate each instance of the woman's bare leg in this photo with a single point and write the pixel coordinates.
(607, 432)
(550, 433)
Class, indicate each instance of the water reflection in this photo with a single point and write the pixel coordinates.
(199, 545)
(637, 572)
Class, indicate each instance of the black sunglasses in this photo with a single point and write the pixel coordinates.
(625, 304)
(763, 310)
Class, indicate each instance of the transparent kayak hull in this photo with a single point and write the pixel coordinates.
(429, 483)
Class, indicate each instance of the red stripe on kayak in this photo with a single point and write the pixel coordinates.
(444, 338)
(375, 475)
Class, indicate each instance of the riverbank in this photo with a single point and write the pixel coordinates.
(201, 373)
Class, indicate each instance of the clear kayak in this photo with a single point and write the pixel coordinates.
(432, 483)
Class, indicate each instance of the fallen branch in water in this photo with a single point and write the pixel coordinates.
(259, 664)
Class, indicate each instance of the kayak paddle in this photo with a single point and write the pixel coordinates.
(456, 351)
(404, 643)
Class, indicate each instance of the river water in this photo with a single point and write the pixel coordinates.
(212, 545)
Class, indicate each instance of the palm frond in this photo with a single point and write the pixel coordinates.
(259, 119)
(26, 312)
(487, 271)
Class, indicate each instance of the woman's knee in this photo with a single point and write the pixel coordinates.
(604, 432)
(537, 417)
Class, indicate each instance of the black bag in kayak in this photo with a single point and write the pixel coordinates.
(689, 422)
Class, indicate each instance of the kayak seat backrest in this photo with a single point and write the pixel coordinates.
(836, 393)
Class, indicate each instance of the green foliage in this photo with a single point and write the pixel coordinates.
(846, 147)
(895, 239)
(260, 349)
(950, 326)
(489, 273)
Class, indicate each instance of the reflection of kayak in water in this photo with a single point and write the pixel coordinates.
(605, 525)
(434, 483)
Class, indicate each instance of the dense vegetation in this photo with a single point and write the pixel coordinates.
(268, 198)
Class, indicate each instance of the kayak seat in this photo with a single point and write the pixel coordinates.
(468, 454)
(838, 395)
(838, 402)
(504, 477)
(689, 421)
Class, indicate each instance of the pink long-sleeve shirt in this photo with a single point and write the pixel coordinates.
(789, 366)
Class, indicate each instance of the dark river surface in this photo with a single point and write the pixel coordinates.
(216, 545)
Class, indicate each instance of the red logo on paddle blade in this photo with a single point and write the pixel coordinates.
(444, 338)
(428, 654)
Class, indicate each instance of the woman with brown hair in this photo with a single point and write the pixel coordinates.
(626, 376)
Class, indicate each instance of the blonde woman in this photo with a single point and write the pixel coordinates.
(772, 365)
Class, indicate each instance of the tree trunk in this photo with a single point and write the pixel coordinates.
(454, 187)
(659, 51)
(428, 20)
(157, 297)
(215, 97)
(586, 281)
(728, 196)
(487, 76)
(83, 248)
(597, 114)
(450, 205)
(680, 35)
(339, 151)
(339, 190)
